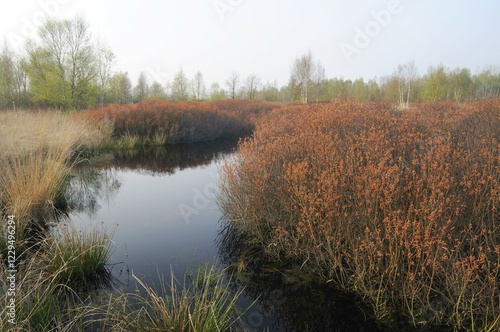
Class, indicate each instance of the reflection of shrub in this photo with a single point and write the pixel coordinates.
(399, 207)
(177, 122)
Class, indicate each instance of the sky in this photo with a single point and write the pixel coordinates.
(351, 39)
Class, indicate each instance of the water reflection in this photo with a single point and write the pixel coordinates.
(158, 203)
(170, 159)
(96, 183)
(89, 187)
(164, 218)
(287, 301)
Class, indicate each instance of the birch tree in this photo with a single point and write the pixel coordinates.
(141, 90)
(198, 86)
(406, 75)
(180, 86)
(61, 64)
(301, 78)
(251, 86)
(232, 84)
(13, 81)
(104, 62)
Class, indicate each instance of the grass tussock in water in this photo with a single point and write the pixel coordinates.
(202, 302)
(52, 285)
(400, 208)
(75, 256)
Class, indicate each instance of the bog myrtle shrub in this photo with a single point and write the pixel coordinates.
(399, 207)
(181, 121)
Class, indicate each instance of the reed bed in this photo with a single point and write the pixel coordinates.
(36, 153)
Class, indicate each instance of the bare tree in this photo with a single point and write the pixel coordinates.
(251, 86)
(487, 83)
(104, 62)
(198, 86)
(180, 86)
(141, 90)
(302, 74)
(406, 76)
(232, 84)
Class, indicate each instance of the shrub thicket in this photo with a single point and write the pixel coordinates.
(398, 207)
(181, 122)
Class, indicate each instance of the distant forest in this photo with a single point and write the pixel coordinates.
(66, 68)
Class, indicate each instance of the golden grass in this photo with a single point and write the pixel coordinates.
(25, 131)
(35, 152)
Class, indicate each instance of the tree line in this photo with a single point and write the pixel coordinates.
(68, 69)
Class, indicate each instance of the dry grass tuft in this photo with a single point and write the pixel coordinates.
(35, 152)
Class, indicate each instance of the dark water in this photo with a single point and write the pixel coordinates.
(159, 206)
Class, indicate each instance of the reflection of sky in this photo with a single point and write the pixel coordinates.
(150, 232)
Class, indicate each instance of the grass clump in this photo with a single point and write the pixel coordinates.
(202, 302)
(75, 256)
(45, 298)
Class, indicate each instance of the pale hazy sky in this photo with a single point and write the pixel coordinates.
(352, 39)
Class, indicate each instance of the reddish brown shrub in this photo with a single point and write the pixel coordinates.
(399, 207)
(181, 122)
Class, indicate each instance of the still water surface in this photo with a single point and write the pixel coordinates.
(158, 204)
(160, 207)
